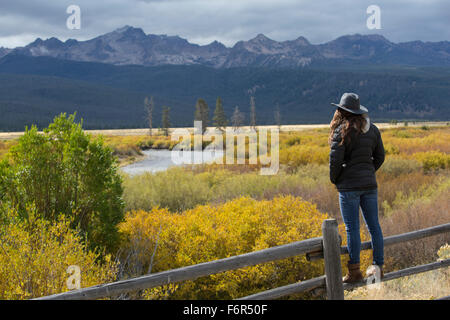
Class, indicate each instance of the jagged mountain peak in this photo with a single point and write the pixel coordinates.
(51, 41)
(123, 29)
(127, 28)
(302, 41)
(261, 38)
(71, 41)
(130, 45)
(216, 44)
(37, 41)
(126, 32)
(261, 44)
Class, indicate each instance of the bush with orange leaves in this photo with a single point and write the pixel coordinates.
(207, 233)
(35, 255)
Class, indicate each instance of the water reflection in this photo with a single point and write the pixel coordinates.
(160, 160)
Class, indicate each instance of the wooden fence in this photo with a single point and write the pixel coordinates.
(327, 247)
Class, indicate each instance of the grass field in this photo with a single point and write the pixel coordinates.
(414, 184)
(206, 212)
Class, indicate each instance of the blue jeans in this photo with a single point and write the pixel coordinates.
(350, 201)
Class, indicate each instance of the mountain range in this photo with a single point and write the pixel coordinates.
(131, 46)
(106, 79)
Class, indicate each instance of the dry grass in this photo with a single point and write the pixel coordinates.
(425, 286)
(129, 148)
(423, 213)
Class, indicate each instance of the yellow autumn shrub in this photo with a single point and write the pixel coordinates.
(35, 255)
(433, 160)
(208, 233)
(298, 155)
(407, 141)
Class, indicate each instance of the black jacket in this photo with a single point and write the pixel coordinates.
(353, 164)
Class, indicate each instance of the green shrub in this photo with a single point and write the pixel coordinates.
(65, 171)
(176, 189)
(146, 144)
(179, 189)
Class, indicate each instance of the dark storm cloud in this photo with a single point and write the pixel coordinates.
(202, 21)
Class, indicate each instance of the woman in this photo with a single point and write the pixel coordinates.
(356, 153)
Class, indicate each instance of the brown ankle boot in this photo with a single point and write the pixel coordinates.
(354, 274)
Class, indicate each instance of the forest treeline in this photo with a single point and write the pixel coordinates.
(33, 90)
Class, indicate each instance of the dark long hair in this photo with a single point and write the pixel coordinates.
(349, 121)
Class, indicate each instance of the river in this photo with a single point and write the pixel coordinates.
(160, 160)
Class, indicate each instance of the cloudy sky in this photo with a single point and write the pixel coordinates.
(228, 21)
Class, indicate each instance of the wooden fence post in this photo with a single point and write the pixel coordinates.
(332, 260)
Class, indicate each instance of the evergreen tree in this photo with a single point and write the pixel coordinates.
(202, 113)
(237, 119)
(165, 120)
(220, 119)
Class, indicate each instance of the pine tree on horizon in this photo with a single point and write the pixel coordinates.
(165, 120)
(220, 119)
(237, 119)
(202, 113)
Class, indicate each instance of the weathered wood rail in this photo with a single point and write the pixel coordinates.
(327, 247)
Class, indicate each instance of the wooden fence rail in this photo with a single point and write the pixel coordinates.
(193, 272)
(294, 288)
(391, 240)
(328, 247)
(314, 283)
(405, 272)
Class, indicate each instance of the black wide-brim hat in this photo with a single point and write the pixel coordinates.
(350, 102)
